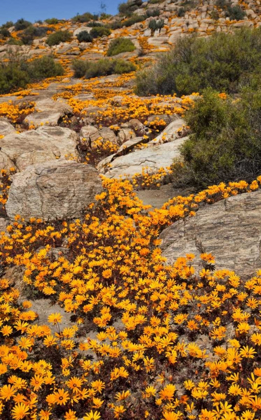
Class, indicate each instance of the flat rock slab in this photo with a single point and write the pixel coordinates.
(152, 157)
(6, 128)
(53, 190)
(229, 229)
(36, 146)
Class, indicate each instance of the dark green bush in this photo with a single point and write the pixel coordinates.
(226, 141)
(4, 33)
(85, 17)
(84, 36)
(8, 24)
(120, 45)
(12, 78)
(22, 24)
(133, 19)
(181, 12)
(17, 73)
(127, 9)
(152, 12)
(43, 67)
(94, 24)
(59, 36)
(99, 31)
(102, 67)
(14, 41)
(155, 1)
(52, 21)
(235, 13)
(224, 62)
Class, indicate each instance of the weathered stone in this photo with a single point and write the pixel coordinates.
(152, 157)
(229, 229)
(53, 190)
(172, 132)
(35, 146)
(125, 134)
(6, 128)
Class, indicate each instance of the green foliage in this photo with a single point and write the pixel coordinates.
(13, 41)
(84, 36)
(155, 1)
(133, 19)
(17, 73)
(120, 45)
(4, 33)
(99, 31)
(236, 13)
(57, 37)
(225, 62)
(52, 21)
(8, 24)
(43, 68)
(214, 15)
(181, 12)
(22, 24)
(95, 24)
(233, 12)
(156, 24)
(152, 12)
(102, 67)
(85, 17)
(226, 140)
(127, 9)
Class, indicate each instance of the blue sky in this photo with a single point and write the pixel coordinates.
(33, 10)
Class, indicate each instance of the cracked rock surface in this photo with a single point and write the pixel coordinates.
(229, 229)
(53, 190)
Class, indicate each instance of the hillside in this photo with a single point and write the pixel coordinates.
(130, 275)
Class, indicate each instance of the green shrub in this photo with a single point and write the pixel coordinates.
(94, 24)
(127, 9)
(235, 13)
(120, 45)
(99, 31)
(84, 36)
(13, 41)
(8, 24)
(22, 24)
(155, 1)
(79, 67)
(214, 15)
(5, 33)
(52, 21)
(226, 140)
(57, 37)
(152, 12)
(133, 19)
(85, 17)
(224, 62)
(44, 67)
(12, 78)
(181, 12)
(17, 73)
(102, 67)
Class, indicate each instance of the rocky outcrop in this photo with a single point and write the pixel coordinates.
(35, 146)
(153, 157)
(49, 112)
(229, 229)
(6, 128)
(53, 190)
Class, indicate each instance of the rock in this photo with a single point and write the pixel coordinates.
(6, 128)
(229, 229)
(134, 3)
(53, 190)
(37, 119)
(3, 224)
(35, 146)
(88, 134)
(172, 132)
(125, 134)
(151, 157)
(48, 112)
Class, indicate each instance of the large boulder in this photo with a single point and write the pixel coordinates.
(229, 229)
(49, 112)
(35, 146)
(153, 157)
(6, 128)
(53, 190)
